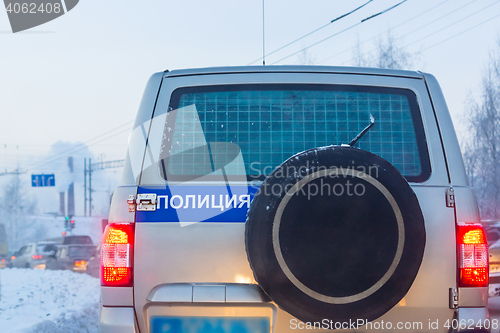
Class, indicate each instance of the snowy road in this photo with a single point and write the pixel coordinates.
(48, 301)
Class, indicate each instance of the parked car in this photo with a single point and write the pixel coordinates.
(32, 255)
(94, 263)
(492, 230)
(4, 261)
(71, 257)
(259, 199)
(3, 247)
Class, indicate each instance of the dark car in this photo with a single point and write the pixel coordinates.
(68, 240)
(94, 264)
(71, 257)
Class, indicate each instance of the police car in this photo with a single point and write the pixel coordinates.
(281, 198)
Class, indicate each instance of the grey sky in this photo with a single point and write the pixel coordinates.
(83, 74)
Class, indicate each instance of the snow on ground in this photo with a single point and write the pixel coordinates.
(39, 301)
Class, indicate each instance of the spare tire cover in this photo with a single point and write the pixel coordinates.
(335, 233)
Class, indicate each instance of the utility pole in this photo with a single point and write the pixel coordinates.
(85, 186)
(88, 168)
(62, 211)
(71, 190)
(90, 187)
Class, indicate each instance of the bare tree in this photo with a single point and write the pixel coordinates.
(359, 58)
(305, 58)
(482, 149)
(387, 53)
(15, 205)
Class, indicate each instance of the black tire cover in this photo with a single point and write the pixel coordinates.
(323, 253)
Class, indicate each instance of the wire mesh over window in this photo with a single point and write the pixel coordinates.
(269, 126)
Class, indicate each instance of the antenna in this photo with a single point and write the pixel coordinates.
(263, 37)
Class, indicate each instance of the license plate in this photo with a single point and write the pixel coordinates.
(162, 324)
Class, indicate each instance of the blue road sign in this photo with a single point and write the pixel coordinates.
(43, 180)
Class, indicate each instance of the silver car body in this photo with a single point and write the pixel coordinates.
(32, 255)
(177, 271)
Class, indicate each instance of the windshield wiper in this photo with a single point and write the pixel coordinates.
(363, 132)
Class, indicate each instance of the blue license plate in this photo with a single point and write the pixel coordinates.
(163, 324)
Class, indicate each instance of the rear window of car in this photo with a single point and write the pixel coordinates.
(77, 240)
(251, 129)
(81, 251)
(45, 248)
(28, 249)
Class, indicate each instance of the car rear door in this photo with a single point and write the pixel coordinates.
(18, 261)
(178, 260)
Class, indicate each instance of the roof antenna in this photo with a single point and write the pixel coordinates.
(263, 38)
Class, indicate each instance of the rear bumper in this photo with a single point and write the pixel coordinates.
(123, 320)
(117, 320)
(471, 317)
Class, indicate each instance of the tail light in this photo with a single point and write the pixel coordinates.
(117, 255)
(36, 256)
(80, 263)
(473, 256)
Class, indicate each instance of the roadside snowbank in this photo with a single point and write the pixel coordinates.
(36, 301)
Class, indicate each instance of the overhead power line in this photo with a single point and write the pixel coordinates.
(335, 34)
(438, 19)
(74, 150)
(107, 165)
(384, 11)
(449, 25)
(80, 146)
(422, 26)
(395, 27)
(310, 33)
(444, 40)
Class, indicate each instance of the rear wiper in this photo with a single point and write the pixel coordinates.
(363, 132)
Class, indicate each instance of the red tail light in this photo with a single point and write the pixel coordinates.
(473, 256)
(36, 256)
(80, 263)
(116, 255)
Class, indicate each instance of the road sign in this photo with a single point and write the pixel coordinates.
(43, 180)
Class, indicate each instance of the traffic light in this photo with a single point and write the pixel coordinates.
(72, 225)
(66, 222)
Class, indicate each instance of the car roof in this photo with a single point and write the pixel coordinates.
(47, 242)
(53, 239)
(295, 69)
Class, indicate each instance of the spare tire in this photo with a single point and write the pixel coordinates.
(335, 233)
